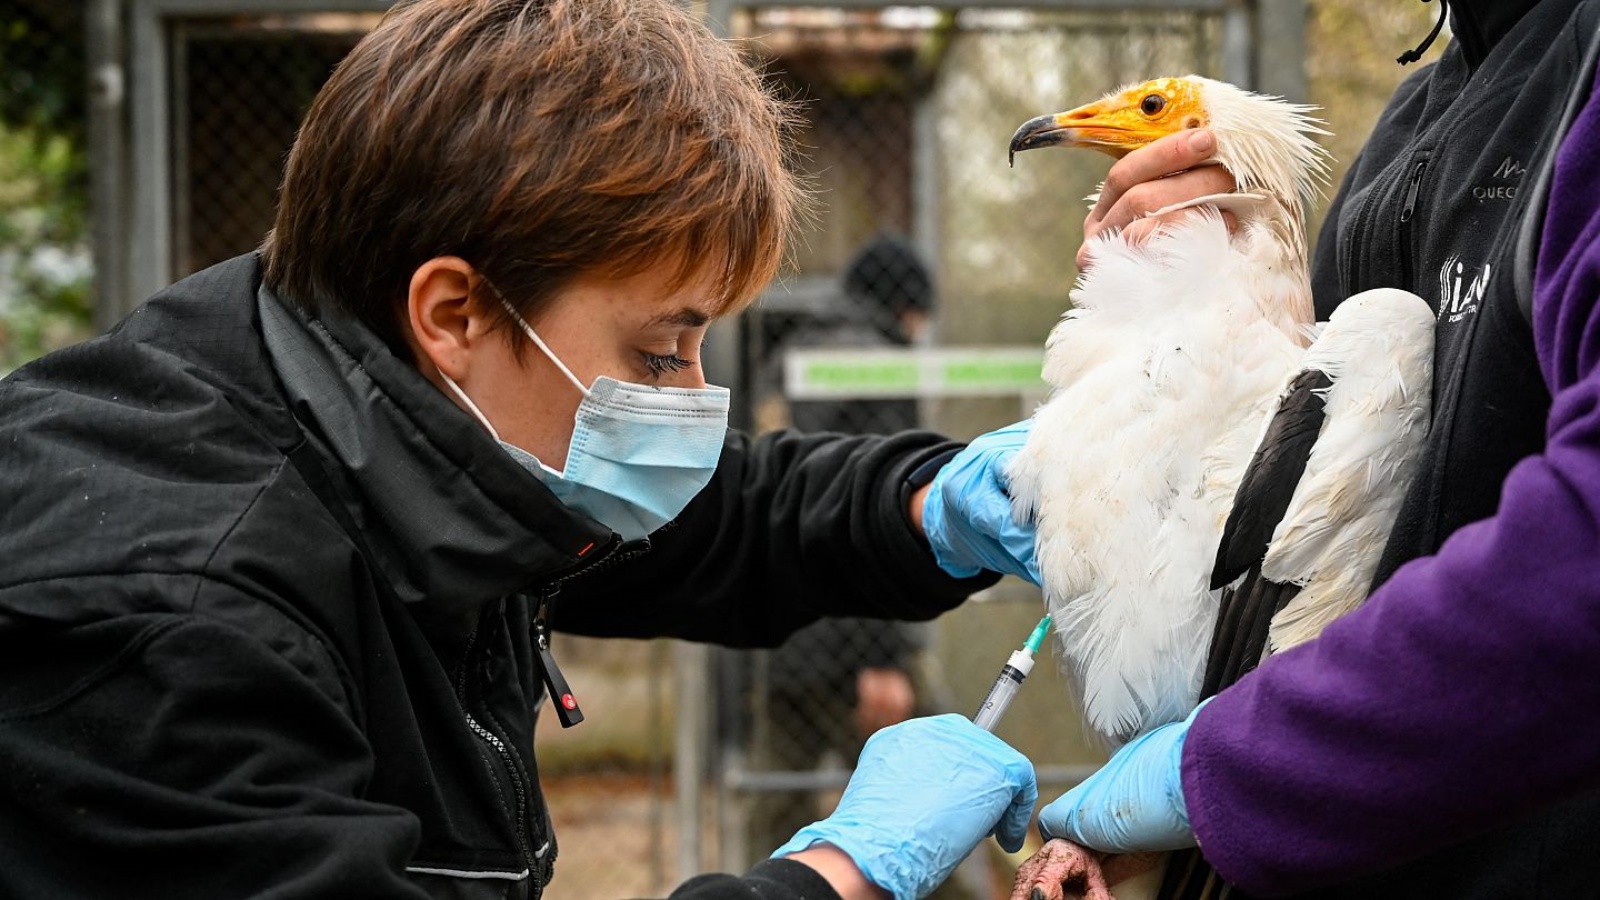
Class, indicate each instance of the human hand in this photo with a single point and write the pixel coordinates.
(1134, 803)
(967, 512)
(1163, 173)
(924, 794)
(884, 697)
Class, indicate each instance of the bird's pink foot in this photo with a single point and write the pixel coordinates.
(1062, 870)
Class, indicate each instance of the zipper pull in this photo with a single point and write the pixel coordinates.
(561, 696)
(1412, 189)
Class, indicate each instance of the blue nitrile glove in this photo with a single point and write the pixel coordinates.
(1135, 801)
(924, 794)
(967, 513)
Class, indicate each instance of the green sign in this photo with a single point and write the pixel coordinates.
(912, 372)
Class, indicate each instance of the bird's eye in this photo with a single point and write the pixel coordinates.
(1152, 104)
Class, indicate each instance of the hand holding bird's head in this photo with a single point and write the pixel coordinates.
(1266, 143)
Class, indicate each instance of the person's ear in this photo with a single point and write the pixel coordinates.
(446, 322)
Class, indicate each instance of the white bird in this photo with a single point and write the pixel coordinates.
(1176, 355)
(1206, 447)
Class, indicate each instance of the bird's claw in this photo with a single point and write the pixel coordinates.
(1061, 870)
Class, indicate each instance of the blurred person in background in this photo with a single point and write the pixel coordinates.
(281, 556)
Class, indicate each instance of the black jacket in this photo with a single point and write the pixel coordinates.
(269, 607)
(1437, 204)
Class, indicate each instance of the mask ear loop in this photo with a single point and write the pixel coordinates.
(534, 336)
(471, 407)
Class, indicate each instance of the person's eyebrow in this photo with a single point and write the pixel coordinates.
(688, 317)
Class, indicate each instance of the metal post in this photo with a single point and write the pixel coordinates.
(690, 662)
(149, 260)
(107, 108)
(660, 701)
(1238, 45)
(925, 181)
(1281, 49)
(719, 17)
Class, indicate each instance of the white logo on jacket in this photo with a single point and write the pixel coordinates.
(1459, 297)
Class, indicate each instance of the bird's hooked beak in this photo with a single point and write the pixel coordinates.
(1041, 131)
(1118, 123)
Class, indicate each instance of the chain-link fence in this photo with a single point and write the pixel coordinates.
(929, 247)
(240, 86)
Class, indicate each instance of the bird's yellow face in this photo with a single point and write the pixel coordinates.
(1121, 122)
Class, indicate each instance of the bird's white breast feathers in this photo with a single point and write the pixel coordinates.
(1163, 372)
(1165, 375)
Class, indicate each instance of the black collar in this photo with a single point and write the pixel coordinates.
(449, 515)
(1477, 25)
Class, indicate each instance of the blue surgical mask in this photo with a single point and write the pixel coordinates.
(639, 453)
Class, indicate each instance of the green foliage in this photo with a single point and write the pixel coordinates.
(45, 297)
(42, 68)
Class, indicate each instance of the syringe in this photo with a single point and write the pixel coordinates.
(1005, 687)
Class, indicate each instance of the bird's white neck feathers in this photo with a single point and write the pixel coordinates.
(1269, 145)
(1270, 148)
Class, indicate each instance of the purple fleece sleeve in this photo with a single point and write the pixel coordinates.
(1463, 694)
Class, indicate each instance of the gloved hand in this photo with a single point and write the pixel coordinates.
(924, 793)
(1135, 801)
(967, 512)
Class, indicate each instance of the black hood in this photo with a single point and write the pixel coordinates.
(448, 515)
(1480, 24)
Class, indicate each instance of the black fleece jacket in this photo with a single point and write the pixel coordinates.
(270, 607)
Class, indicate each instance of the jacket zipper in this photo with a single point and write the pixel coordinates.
(493, 740)
(507, 759)
(604, 560)
(555, 684)
(561, 696)
(1408, 209)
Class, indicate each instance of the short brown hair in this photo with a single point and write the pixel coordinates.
(540, 140)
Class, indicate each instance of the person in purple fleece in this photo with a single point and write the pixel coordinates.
(1441, 741)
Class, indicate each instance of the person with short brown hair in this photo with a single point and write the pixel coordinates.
(559, 140)
(284, 552)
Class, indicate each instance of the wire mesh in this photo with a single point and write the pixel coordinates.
(927, 239)
(240, 87)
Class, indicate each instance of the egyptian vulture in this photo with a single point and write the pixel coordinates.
(1211, 463)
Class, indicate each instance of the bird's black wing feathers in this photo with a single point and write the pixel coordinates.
(1274, 473)
(1240, 639)
(1245, 615)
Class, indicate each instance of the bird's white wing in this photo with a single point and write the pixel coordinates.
(1313, 510)
(1377, 349)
